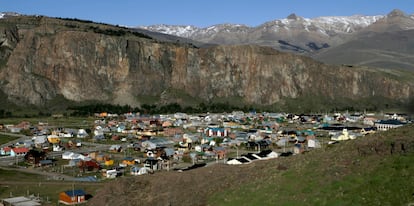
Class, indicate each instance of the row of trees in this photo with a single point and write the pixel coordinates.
(88, 110)
(5, 114)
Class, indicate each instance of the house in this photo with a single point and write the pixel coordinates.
(313, 143)
(90, 165)
(298, 148)
(40, 141)
(187, 142)
(127, 161)
(167, 153)
(171, 131)
(73, 162)
(108, 162)
(368, 130)
(140, 171)
(23, 201)
(215, 131)
(72, 155)
(54, 139)
(251, 145)
(238, 161)
(19, 151)
(369, 121)
(385, 125)
(5, 151)
(115, 148)
(72, 197)
(82, 133)
(344, 136)
(167, 124)
(251, 156)
(57, 148)
(151, 163)
(15, 129)
(220, 152)
(110, 174)
(267, 154)
(160, 142)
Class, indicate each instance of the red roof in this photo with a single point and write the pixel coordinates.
(21, 150)
(7, 149)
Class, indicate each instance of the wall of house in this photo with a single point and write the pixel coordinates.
(65, 198)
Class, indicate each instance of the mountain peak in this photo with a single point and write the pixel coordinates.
(293, 16)
(395, 13)
(6, 14)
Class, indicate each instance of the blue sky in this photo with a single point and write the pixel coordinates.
(201, 13)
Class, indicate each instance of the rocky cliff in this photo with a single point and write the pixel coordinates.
(43, 58)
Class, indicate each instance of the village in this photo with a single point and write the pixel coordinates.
(131, 144)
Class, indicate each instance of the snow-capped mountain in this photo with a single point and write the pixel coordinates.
(324, 25)
(194, 32)
(293, 33)
(328, 26)
(5, 14)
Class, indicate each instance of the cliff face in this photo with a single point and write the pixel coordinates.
(41, 58)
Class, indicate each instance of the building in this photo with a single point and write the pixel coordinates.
(72, 197)
(215, 131)
(16, 151)
(20, 201)
(385, 125)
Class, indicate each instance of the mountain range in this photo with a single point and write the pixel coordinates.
(48, 60)
(379, 41)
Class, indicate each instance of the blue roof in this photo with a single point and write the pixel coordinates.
(392, 122)
(216, 129)
(73, 193)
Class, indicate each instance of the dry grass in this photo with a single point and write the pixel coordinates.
(334, 175)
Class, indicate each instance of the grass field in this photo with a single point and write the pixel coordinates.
(338, 176)
(372, 170)
(13, 184)
(387, 183)
(68, 122)
(5, 138)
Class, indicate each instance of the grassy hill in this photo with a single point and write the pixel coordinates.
(385, 50)
(373, 170)
(361, 172)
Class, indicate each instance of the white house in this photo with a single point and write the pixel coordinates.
(344, 136)
(238, 161)
(385, 125)
(314, 143)
(82, 133)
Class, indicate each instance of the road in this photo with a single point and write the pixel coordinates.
(86, 148)
(20, 139)
(51, 175)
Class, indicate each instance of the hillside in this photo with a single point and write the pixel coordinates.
(45, 60)
(377, 41)
(386, 50)
(386, 43)
(294, 33)
(373, 170)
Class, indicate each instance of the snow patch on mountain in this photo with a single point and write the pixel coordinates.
(182, 31)
(6, 14)
(325, 25)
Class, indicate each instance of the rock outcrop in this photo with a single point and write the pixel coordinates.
(42, 58)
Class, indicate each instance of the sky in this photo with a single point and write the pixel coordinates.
(200, 13)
